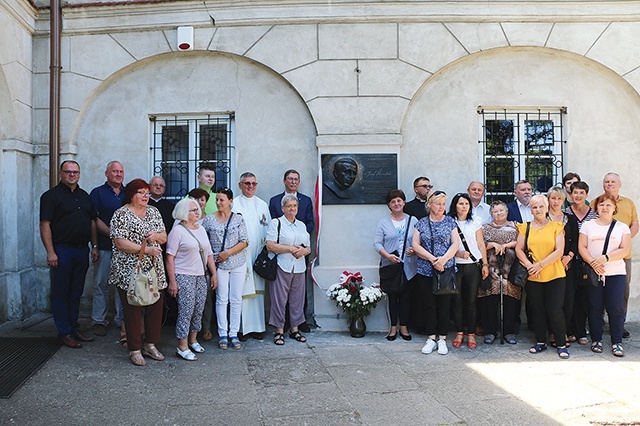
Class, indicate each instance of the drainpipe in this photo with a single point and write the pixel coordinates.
(54, 92)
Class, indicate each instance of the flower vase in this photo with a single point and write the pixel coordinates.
(357, 327)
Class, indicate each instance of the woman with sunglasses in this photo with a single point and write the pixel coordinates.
(435, 241)
(228, 237)
(471, 261)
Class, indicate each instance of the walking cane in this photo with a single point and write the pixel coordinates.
(500, 264)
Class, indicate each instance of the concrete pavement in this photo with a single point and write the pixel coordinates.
(332, 379)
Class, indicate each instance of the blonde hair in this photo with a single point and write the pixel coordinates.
(539, 199)
(557, 191)
(434, 197)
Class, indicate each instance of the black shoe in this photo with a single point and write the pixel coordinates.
(304, 327)
(406, 337)
(625, 334)
(242, 337)
(391, 337)
(258, 336)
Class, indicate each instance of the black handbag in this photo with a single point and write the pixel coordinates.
(586, 274)
(445, 282)
(265, 266)
(518, 274)
(392, 276)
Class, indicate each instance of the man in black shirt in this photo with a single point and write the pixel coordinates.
(165, 206)
(67, 225)
(416, 207)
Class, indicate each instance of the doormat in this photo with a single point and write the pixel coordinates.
(20, 357)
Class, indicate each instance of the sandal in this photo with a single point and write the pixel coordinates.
(471, 341)
(136, 359)
(123, 343)
(207, 336)
(596, 347)
(278, 339)
(617, 350)
(223, 342)
(563, 353)
(296, 335)
(186, 355)
(572, 338)
(538, 347)
(196, 347)
(583, 341)
(235, 342)
(152, 352)
(510, 339)
(457, 342)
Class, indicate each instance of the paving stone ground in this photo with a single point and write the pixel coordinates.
(333, 379)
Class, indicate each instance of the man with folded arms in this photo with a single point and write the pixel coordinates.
(67, 226)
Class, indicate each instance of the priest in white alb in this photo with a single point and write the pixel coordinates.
(256, 217)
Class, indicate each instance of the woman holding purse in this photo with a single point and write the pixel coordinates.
(546, 280)
(130, 226)
(435, 241)
(603, 243)
(393, 243)
(471, 261)
(189, 258)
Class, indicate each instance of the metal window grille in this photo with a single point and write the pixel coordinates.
(521, 145)
(180, 144)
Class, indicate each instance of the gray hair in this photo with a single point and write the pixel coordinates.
(288, 197)
(181, 210)
(246, 175)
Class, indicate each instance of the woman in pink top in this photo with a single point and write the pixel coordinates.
(189, 258)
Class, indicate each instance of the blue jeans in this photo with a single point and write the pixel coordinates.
(611, 296)
(67, 285)
(101, 291)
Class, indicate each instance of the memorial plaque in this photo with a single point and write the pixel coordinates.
(358, 178)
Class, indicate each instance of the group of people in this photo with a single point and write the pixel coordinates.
(558, 238)
(204, 244)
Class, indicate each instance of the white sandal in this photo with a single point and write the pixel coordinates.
(186, 355)
(196, 347)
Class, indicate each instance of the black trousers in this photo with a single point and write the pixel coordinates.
(465, 303)
(399, 304)
(436, 308)
(546, 300)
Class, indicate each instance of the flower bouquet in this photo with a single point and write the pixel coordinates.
(356, 299)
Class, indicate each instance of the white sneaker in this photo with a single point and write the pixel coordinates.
(429, 346)
(442, 347)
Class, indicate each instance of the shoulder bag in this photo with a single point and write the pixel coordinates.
(265, 266)
(586, 273)
(392, 276)
(518, 273)
(444, 282)
(143, 285)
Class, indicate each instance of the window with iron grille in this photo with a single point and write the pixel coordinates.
(180, 144)
(516, 145)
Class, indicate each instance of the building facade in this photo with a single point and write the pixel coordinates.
(457, 90)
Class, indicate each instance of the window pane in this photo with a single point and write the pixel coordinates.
(499, 137)
(499, 173)
(538, 136)
(214, 148)
(540, 173)
(175, 143)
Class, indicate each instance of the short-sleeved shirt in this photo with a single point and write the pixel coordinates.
(106, 202)
(291, 234)
(126, 225)
(469, 229)
(70, 214)
(541, 243)
(236, 233)
(185, 248)
(596, 235)
(441, 239)
(627, 214)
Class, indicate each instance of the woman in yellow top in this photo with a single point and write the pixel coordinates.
(546, 281)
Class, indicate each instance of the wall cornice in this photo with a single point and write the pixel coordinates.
(22, 12)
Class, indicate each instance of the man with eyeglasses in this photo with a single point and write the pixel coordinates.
(107, 198)
(416, 207)
(67, 226)
(256, 218)
(305, 215)
(480, 209)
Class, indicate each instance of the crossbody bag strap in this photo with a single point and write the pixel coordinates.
(199, 246)
(606, 240)
(526, 238)
(464, 243)
(226, 228)
(406, 233)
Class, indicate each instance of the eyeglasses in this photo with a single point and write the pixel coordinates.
(292, 179)
(71, 172)
(424, 186)
(291, 207)
(250, 183)
(144, 193)
(194, 210)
